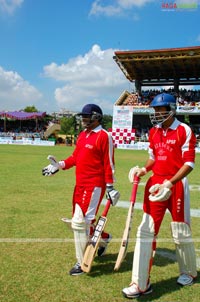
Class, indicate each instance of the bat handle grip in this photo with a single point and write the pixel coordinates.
(136, 180)
(107, 207)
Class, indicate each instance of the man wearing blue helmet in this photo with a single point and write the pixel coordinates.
(164, 107)
(171, 159)
(93, 158)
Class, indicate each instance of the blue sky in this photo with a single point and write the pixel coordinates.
(57, 54)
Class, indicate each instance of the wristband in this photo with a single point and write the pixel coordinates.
(109, 187)
(168, 184)
(61, 164)
(144, 170)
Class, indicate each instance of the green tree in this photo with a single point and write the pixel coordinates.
(68, 125)
(30, 109)
(107, 121)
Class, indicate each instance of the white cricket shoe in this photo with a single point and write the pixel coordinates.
(185, 279)
(133, 291)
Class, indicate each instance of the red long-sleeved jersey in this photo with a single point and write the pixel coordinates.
(93, 158)
(171, 149)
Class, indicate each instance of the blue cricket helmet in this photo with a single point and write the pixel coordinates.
(164, 100)
(92, 110)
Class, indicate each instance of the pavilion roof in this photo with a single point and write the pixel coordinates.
(161, 66)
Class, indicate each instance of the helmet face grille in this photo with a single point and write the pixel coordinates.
(96, 116)
(158, 118)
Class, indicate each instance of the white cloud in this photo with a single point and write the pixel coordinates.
(15, 92)
(113, 7)
(198, 38)
(94, 77)
(131, 3)
(107, 10)
(10, 6)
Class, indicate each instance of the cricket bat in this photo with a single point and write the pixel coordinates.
(93, 243)
(128, 225)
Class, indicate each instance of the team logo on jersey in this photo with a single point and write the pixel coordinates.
(161, 152)
(89, 146)
(161, 155)
(163, 146)
(171, 141)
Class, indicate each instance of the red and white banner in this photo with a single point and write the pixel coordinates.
(122, 136)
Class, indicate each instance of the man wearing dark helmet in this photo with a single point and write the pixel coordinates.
(93, 158)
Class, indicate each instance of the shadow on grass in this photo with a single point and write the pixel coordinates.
(165, 287)
(105, 265)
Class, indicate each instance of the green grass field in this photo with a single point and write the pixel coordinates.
(37, 249)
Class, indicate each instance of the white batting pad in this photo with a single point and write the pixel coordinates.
(80, 233)
(185, 251)
(143, 252)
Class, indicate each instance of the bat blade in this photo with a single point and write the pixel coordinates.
(125, 237)
(93, 243)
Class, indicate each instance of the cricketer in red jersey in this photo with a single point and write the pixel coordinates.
(93, 158)
(171, 159)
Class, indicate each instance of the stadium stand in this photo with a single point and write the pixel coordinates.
(162, 70)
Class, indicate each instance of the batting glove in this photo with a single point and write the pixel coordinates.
(53, 167)
(160, 192)
(112, 194)
(136, 171)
